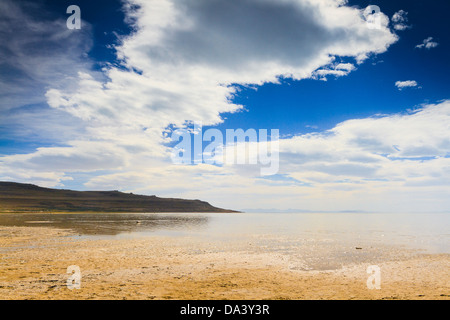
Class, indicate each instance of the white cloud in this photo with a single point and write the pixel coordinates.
(422, 133)
(400, 20)
(406, 84)
(338, 70)
(428, 43)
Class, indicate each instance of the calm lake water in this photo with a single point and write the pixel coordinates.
(301, 241)
(429, 233)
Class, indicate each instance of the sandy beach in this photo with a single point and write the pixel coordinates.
(34, 262)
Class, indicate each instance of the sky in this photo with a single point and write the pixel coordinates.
(362, 109)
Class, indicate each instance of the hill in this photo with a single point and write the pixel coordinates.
(18, 197)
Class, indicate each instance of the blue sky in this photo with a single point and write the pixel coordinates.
(85, 109)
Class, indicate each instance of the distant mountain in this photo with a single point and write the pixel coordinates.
(18, 197)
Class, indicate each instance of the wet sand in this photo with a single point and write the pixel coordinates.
(34, 261)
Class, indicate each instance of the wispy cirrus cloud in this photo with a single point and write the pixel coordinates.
(37, 51)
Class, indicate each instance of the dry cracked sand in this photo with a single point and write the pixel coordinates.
(34, 262)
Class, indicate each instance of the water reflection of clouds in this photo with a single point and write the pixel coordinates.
(309, 231)
(105, 224)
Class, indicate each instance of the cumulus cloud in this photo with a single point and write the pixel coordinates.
(428, 43)
(187, 56)
(400, 20)
(406, 84)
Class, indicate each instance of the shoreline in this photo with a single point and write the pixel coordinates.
(34, 263)
(115, 212)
